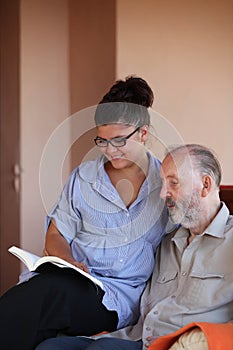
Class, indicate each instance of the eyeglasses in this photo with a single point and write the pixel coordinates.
(115, 142)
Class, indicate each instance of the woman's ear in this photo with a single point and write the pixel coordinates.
(144, 131)
(207, 185)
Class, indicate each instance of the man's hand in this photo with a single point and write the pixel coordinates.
(150, 340)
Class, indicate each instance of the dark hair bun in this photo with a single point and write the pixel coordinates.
(132, 90)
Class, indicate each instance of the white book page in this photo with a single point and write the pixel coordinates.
(33, 261)
(27, 258)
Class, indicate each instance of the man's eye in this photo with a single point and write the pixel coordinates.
(174, 183)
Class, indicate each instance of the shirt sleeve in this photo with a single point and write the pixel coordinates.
(65, 216)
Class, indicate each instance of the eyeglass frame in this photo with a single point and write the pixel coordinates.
(124, 139)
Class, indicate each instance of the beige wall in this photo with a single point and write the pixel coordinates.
(44, 103)
(185, 51)
(183, 48)
(67, 63)
(92, 64)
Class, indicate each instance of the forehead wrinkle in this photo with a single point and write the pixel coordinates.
(176, 166)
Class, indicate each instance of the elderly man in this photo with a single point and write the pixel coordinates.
(193, 276)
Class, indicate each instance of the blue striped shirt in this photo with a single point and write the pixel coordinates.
(116, 243)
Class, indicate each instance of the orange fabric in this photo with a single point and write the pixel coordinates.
(219, 336)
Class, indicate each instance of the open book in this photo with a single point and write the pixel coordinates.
(33, 261)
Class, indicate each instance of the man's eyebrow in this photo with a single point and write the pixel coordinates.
(169, 176)
(173, 176)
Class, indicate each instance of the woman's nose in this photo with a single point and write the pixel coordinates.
(110, 148)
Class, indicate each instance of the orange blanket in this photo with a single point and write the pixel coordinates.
(219, 336)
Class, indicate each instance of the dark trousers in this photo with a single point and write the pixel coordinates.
(56, 301)
(79, 343)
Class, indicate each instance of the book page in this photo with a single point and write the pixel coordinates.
(26, 257)
(33, 261)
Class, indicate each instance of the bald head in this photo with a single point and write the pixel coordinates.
(201, 158)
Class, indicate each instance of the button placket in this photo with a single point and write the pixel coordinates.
(127, 232)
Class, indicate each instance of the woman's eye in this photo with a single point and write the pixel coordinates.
(118, 140)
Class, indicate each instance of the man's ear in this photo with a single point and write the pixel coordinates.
(207, 185)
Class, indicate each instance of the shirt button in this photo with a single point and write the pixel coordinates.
(121, 260)
(184, 273)
(127, 214)
(126, 239)
(155, 312)
(148, 328)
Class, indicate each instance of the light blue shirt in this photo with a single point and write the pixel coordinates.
(116, 243)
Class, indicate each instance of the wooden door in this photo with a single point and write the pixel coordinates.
(9, 141)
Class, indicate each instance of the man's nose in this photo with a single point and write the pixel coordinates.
(163, 192)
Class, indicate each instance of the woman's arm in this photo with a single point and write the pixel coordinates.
(56, 244)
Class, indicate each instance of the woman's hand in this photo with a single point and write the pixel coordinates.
(81, 266)
(57, 245)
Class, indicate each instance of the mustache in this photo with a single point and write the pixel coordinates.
(170, 202)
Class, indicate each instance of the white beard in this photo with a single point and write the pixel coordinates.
(186, 211)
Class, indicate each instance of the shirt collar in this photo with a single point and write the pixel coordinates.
(89, 170)
(217, 227)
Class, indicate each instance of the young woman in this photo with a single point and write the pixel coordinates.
(108, 221)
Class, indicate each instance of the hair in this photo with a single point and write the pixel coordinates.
(203, 158)
(126, 102)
